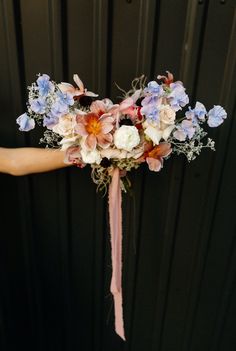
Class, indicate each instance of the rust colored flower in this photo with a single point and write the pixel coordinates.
(155, 156)
(167, 79)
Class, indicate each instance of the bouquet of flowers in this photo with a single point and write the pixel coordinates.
(148, 125)
(151, 122)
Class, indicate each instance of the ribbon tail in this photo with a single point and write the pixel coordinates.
(115, 214)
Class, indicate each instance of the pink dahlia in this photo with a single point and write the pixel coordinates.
(96, 129)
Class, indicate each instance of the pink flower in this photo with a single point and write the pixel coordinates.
(68, 88)
(167, 79)
(96, 129)
(73, 155)
(128, 106)
(105, 106)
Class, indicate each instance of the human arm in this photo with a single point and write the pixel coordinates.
(27, 160)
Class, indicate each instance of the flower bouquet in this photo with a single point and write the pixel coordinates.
(151, 122)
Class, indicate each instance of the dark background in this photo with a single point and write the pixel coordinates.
(179, 227)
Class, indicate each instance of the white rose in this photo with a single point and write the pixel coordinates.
(91, 156)
(65, 125)
(167, 114)
(126, 138)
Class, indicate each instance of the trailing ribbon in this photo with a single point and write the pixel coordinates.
(115, 214)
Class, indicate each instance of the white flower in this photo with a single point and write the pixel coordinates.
(91, 156)
(126, 137)
(153, 133)
(67, 142)
(156, 133)
(167, 114)
(66, 125)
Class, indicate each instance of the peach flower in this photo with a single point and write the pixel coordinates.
(78, 91)
(95, 129)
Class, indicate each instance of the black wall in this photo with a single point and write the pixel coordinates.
(179, 227)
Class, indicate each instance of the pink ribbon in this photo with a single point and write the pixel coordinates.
(115, 214)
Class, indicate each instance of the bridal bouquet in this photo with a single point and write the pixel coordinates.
(151, 122)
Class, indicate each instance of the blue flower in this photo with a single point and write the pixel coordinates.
(50, 120)
(38, 105)
(150, 100)
(65, 98)
(58, 109)
(184, 130)
(44, 85)
(25, 122)
(154, 88)
(151, 112)
(197, 114)
(216, 116)
(178, 97)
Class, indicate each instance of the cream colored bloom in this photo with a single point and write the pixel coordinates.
(167, 114)
(126, 137)
(157, 132)
(89, 156)
(66, 125)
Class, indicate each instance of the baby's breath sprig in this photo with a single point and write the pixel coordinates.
(126, 164)
(193, 147)
(50, 139)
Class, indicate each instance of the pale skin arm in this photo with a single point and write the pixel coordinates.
(27, 160)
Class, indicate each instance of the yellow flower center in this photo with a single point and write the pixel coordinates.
(93, 124)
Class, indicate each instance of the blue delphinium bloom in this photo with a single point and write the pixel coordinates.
(38, 105)
(44, 85)
(216, 116)
(197, 114)
(177, 97)
(65, 98)
(25, 122)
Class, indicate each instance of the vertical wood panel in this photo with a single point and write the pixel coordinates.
(20, 302)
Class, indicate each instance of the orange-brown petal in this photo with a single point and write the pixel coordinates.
(161, 150)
